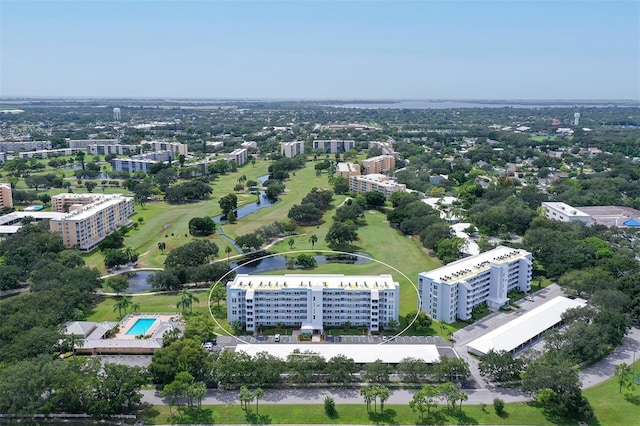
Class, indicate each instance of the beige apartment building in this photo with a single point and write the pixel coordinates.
(90, 218)
(348, 169)
(6, 196)
(379, 164)
(375, 182)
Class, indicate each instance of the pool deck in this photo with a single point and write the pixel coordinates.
(131, 319)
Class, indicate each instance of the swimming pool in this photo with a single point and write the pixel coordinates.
(141, 326)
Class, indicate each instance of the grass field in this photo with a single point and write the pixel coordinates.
(384, 244)
(297, 186)
(347, 414)
(169, 222)
(610, 408)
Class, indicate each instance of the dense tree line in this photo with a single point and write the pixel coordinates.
(49, 385)
(228, 369)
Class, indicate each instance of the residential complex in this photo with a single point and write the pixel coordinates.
(375, 182)
(46, 153)
(9, 146)
(239, 155)
(84, 143)
(450, 292)
(131, 165)
(104, 149)
(176, 148)
(90, 217)
(334, 146)
(347, 169)
(312, 301)
(6, 195)
(291, 149)
(379, 164)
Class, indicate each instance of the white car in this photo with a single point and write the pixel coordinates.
(208, 346)
(276, 338)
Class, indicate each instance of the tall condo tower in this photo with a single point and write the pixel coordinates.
(576, 118)
(116, 114)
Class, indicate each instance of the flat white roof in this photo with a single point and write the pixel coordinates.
(391, 353)
(297, 281)
(464, 268)
(564, 208)
(98, 205)
(525, 327)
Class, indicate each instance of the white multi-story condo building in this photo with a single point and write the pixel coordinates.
(175, 148)
(311, 301)
(334, 146)
(131, 165)
(291, 149)
(239, 155)
(102, 149)
(10, 146)
(6, 195)
(375, 182)
(3, 157)
(565, 213)
(450, 292)
(84, 143)
(91, 217)
(379, 164)
(46, 153)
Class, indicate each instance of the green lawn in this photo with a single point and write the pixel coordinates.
(296, 187)
(612, 407)
(169, 222)
(347, 414)
(103, 311)
(384, 244)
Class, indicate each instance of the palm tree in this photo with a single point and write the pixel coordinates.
(228, 250)
(135, 307)
(122, 304)
(162, 246)
(257, 394)
(186, 300)
(313, 239)
(291, 243)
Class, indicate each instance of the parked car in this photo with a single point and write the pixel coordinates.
(276, 338)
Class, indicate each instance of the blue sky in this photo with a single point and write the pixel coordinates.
(301, 49)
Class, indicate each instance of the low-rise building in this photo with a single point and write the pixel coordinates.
(312, 302)
(450, 292)
(375, 182)
(565, 213)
